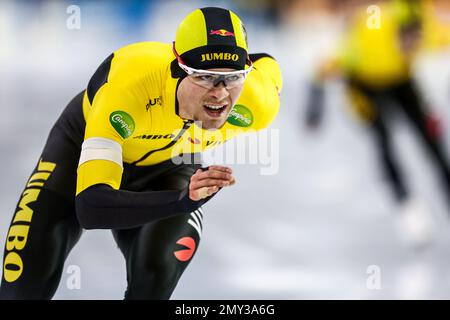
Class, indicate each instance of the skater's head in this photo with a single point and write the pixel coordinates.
(211, 51)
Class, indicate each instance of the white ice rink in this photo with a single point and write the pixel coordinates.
(311, 231)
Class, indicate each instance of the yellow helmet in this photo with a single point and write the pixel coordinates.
(212, 38)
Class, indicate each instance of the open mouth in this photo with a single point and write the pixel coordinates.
(215, 110)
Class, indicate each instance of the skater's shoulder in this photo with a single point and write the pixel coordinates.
(261, 92)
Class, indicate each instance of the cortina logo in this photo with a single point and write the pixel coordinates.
(222, 32)
(219, 56)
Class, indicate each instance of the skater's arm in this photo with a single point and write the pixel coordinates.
(102, 207)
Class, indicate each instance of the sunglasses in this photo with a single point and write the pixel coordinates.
(210, 79)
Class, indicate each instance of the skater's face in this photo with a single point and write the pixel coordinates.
(209, 106)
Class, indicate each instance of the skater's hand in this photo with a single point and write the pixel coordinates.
(205, 183)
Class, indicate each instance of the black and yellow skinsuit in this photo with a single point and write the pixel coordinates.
(119, 157)
(378, 76)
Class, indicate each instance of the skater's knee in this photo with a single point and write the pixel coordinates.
(153, 282)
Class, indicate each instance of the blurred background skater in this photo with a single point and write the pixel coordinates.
(375, 58)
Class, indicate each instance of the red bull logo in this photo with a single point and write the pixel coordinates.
(222, 32)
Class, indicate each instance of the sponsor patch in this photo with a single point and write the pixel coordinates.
(123, 123)
(240, 116)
